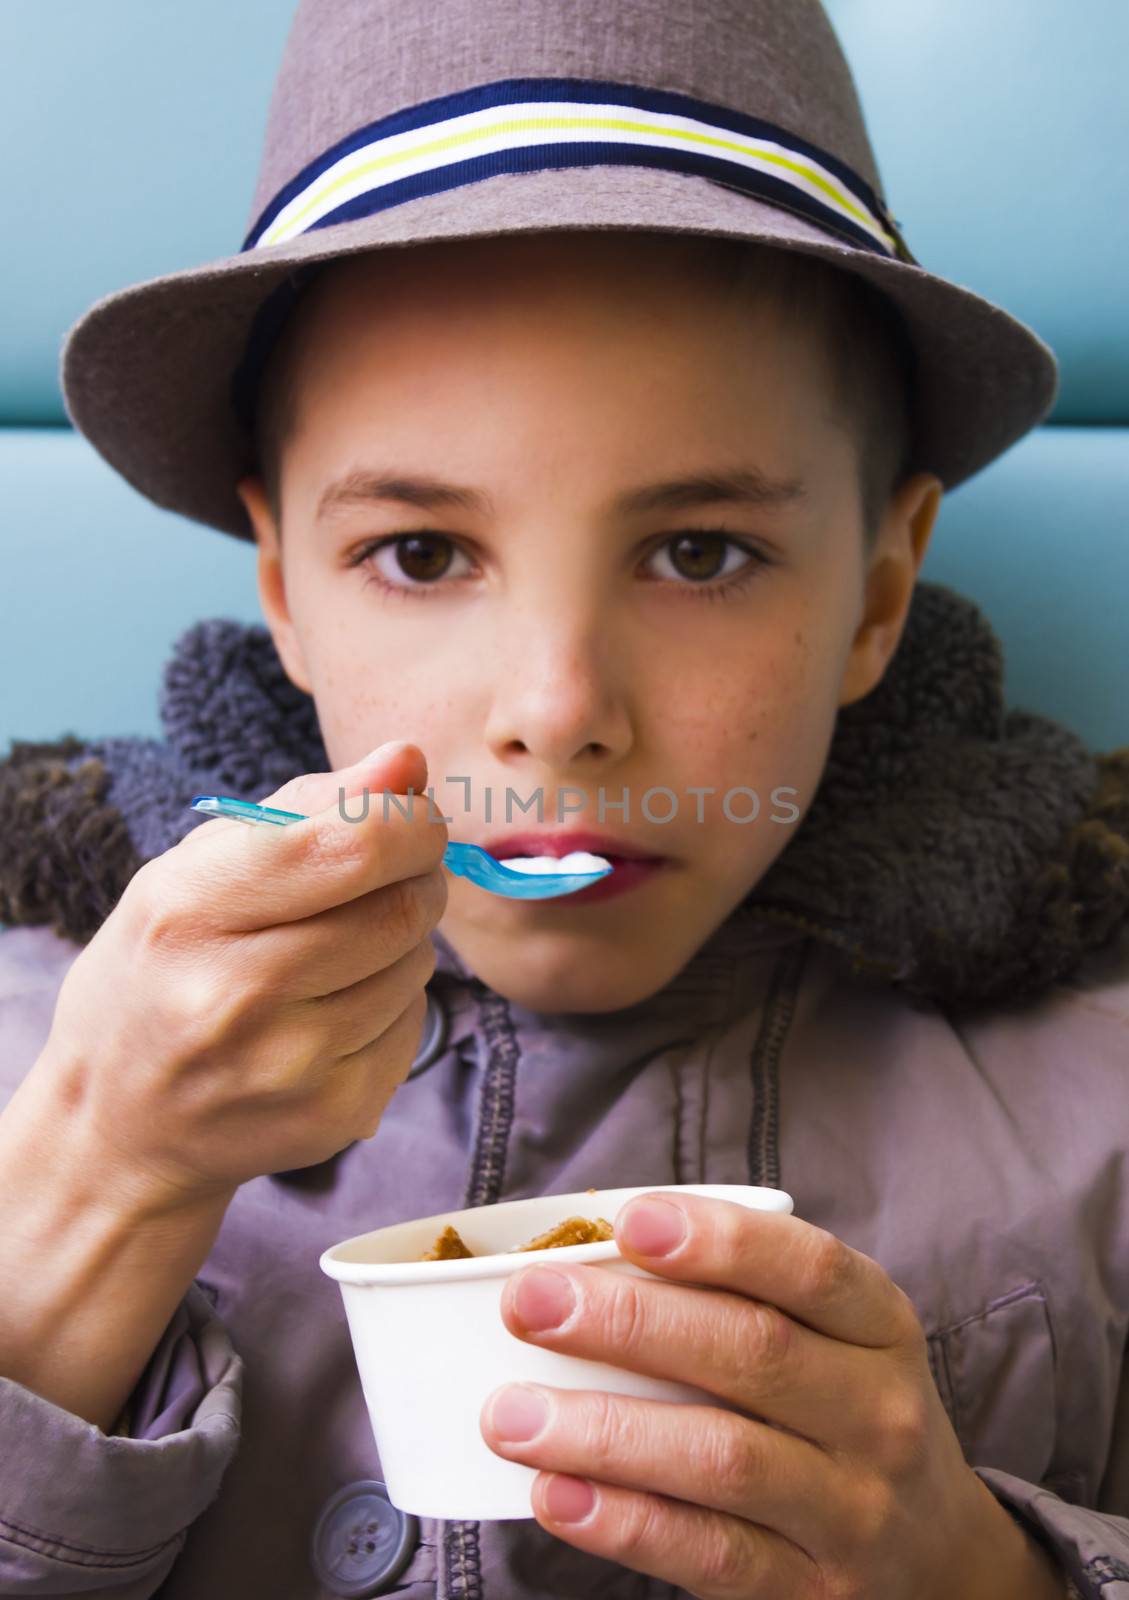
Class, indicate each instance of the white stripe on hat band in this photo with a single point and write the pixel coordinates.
(498, 128)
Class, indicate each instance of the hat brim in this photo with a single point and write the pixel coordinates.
(146, 371)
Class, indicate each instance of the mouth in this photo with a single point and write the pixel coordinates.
(516, 846)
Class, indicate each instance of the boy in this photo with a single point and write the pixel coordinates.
(858, 962)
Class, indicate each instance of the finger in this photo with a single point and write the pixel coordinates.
(704, 1553)
(711, 1458)
(339, 948)
(244, 878)
(349, 1019)
(749, 1354)
(776, 1257)
(396, 766)
(364, 1082)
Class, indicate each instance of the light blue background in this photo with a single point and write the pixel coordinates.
(131, 131)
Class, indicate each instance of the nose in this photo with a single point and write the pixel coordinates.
(560, 693)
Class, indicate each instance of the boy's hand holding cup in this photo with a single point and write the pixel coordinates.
(257, 994)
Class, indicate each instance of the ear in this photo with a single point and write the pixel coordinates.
(272, 580)
(895, 562)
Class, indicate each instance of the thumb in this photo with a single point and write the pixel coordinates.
(396, 766)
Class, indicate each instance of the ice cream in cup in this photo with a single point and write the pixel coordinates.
(430, 1343)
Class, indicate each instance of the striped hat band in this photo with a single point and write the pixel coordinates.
(532, 124)
(735, 120)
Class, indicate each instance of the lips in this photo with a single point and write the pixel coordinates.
(563, 844)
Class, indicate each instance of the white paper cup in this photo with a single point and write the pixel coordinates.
(430, 1342)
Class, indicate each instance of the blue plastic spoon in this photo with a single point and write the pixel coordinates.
(464, 860)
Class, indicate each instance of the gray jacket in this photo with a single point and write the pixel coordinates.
(917, 1024)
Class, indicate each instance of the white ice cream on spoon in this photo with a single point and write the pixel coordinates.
(577, 861)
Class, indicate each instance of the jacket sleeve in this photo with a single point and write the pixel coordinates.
(82, 1511)
(1091, 1540)
(1090, 1543)
(1092, 1546)
(85, 1512)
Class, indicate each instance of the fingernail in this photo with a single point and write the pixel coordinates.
(569, 1499)
(543, 1299)
(518, 1413)
(653, 1227)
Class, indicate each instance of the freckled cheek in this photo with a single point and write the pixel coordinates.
(764, 724)
(363, 698)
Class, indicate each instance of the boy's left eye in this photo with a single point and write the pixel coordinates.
(708, 559)
(701, 555)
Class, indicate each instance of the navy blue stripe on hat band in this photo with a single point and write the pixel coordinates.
(787, 190)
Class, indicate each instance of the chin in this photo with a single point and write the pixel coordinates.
(584, 983)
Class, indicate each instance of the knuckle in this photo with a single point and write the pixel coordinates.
(397, 1045)
(903, 1428)
(733, 1461)
(202, 1011)
(626, 1318)
(770, 1346)
(387, 1008)
(874, 1513)
(827, 1268)
(402, 912)
(606, 1426)
(333, 840)
(728, 1561)
(328, 1029)
(158, 908)
(642, 1535)
(388, 1057)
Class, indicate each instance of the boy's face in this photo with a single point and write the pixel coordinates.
(547, 642)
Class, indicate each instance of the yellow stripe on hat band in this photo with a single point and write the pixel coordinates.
(508, 137)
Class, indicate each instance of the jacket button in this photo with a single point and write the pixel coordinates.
(362, 1543)
(432, 1039)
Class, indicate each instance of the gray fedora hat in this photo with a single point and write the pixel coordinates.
(395, 122)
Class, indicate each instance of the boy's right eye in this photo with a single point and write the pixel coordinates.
(407, 561)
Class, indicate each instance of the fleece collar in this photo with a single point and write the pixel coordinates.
(956, 849)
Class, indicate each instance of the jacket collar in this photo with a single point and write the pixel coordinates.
(956, 849)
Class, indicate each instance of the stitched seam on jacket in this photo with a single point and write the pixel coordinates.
(80, 1555)
(780, 1002)
(462, 1540)
(496, 1102)
(1025, 1291)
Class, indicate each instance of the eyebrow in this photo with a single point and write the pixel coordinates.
(744, 486)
